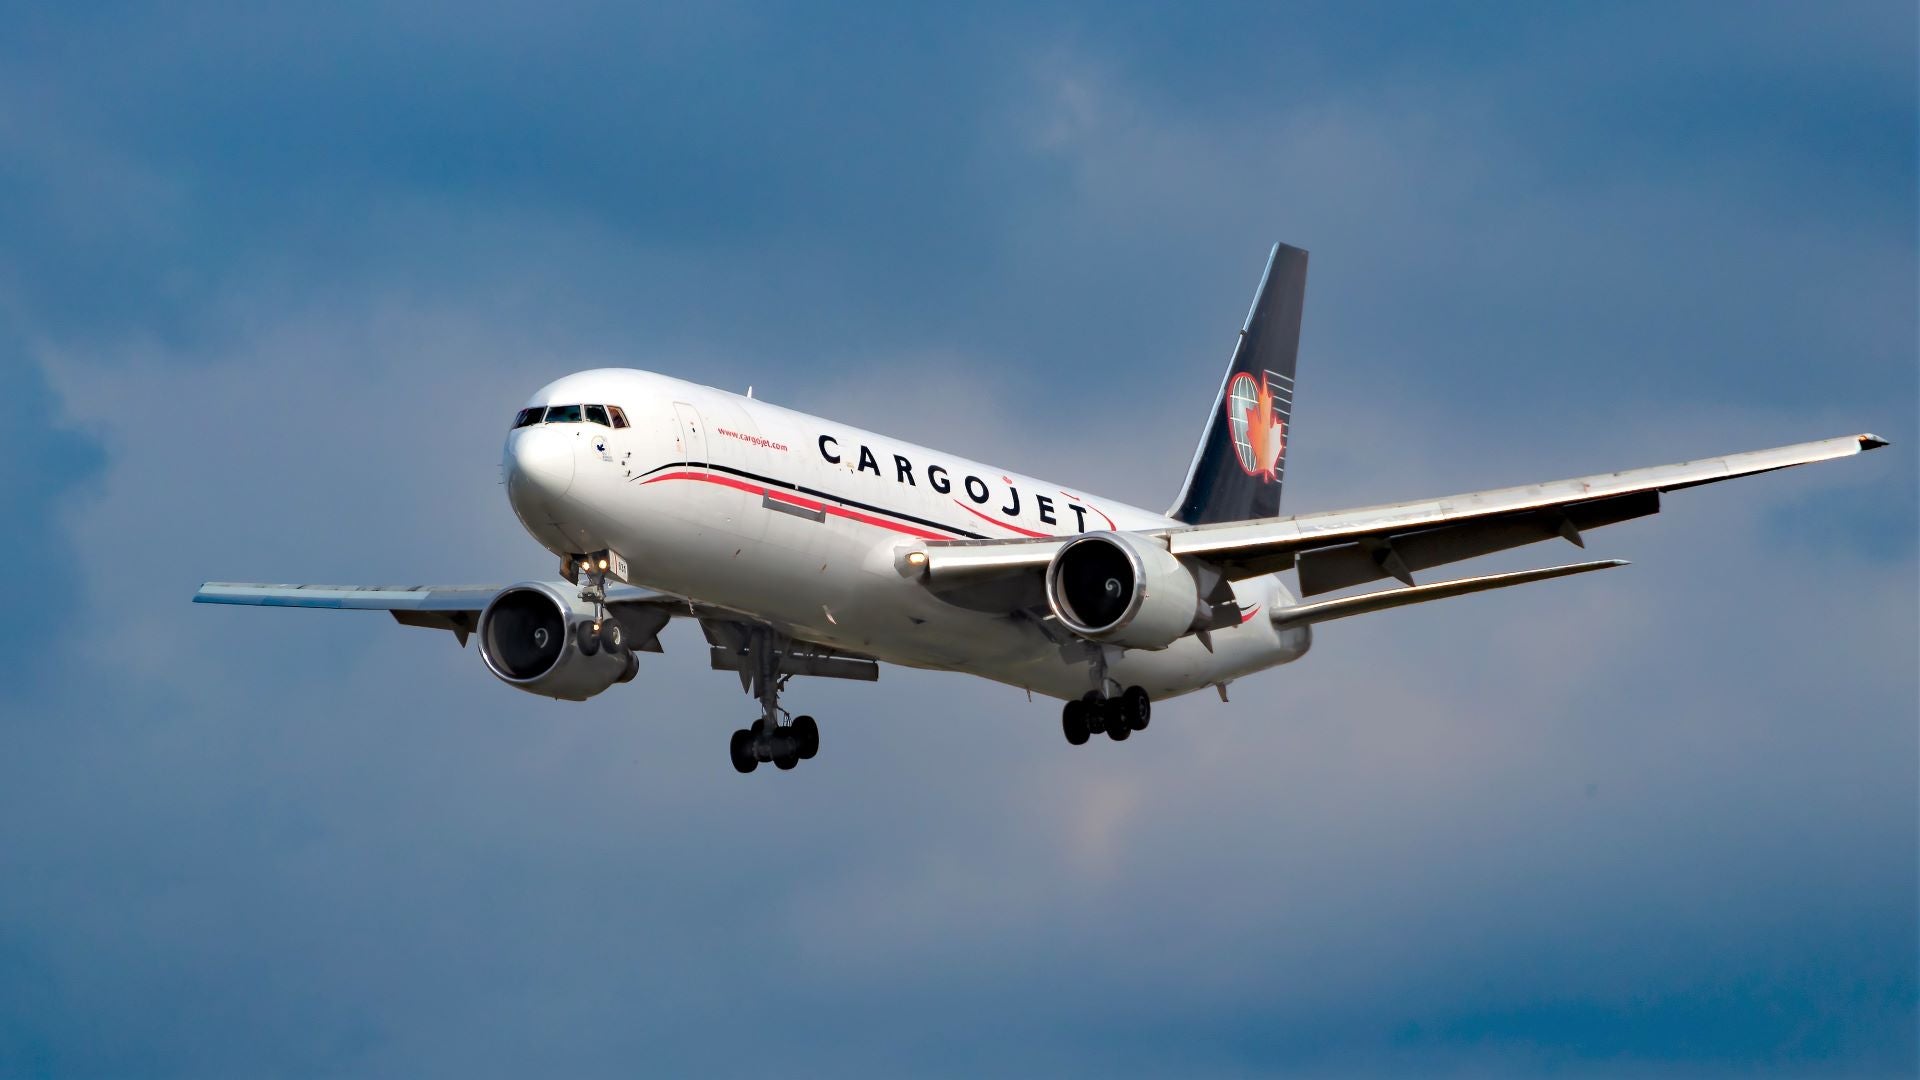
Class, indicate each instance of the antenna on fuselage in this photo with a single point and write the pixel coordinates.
(749, 391)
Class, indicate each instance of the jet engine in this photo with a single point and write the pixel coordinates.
(536, 638)
(1122, 589)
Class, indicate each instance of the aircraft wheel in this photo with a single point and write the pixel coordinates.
(1137, 707)
(806, 737)
(785, 762)
(740, 749)
(587, 638)
(1073, 722)
(612, 637)
(1117, 727)
(1093, 711)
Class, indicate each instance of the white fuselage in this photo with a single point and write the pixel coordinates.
(801, 523)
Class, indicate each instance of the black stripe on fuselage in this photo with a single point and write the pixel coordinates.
(827, 495)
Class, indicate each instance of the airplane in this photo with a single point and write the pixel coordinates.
(808, 548)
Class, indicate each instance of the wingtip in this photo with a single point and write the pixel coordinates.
(1871, 441)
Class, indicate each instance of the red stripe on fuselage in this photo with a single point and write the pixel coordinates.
(1072, 498)
(797, 500)
(997, 521)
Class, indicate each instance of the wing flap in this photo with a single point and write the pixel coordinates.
(823, 664)
(730, 649)
(995, 576)
(1324, 570)
(1328, 610)
(643, 621)
(972, 559)
(460, 623)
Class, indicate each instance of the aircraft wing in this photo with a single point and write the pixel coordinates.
(1339, 548)
(641, 612)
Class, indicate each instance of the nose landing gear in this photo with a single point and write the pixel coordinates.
(589, 572)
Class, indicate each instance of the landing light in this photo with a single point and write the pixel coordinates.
(916, 558)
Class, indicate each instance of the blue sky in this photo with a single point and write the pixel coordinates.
(271, 285)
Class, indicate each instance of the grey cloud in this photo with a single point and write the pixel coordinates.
(1274, 834)
(1655, 820)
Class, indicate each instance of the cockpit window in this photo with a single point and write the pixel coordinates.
(604, 415)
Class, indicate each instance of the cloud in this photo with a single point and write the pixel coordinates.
(1655, 819)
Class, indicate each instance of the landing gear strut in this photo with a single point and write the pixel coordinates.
(590, 573)
(1095, 712)
(788, 744)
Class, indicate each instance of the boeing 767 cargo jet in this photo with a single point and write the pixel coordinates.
(805, 547)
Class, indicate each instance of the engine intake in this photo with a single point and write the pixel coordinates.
(535, 637)
(1123, 589)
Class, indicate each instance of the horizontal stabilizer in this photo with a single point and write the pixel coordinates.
(1325, 610)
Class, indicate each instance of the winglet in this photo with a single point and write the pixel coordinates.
(1871, 441)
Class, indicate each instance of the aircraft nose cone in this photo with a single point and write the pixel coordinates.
(539, 463)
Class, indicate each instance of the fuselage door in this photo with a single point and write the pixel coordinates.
(693, 434)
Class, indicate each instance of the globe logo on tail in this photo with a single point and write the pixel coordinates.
(1259, 433)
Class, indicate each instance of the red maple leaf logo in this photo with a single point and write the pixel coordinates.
(1266, 433)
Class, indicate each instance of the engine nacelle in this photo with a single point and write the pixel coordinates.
(535, 637)
(1123, 589)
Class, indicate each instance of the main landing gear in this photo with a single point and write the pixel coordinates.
(786, 745)
(1095, 712)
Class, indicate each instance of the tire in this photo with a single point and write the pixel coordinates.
(1073, 722)
(1117, 727)
(740, 749)
(613, 638)
(806, 737)
(1137, 707)
(785, 763)
(1093, 711)
(587, 639)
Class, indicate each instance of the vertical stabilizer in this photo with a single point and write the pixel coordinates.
(1242, 459)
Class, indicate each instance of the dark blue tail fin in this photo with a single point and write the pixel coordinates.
(1242, 459)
